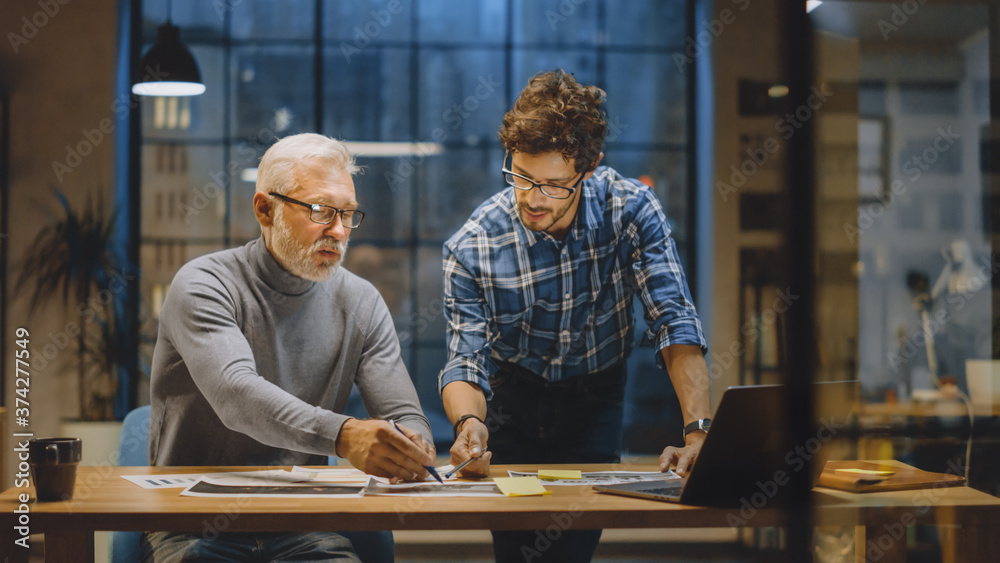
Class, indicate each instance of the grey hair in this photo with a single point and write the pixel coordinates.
(276, 172)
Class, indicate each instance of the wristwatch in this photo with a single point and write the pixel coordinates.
(700, 424)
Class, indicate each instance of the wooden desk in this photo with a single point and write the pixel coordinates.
(105, 501)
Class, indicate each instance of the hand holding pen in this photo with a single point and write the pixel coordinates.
(380, 448)
(471, 447)
(462, 465)
(430, 468)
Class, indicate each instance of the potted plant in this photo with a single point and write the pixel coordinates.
(72, 260)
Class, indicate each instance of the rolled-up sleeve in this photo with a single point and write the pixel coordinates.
(660, 282)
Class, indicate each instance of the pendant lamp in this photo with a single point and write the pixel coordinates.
(168, 69)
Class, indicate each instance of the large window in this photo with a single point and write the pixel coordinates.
(425, 83)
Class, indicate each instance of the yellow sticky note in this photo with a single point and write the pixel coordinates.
(520, 486)
(553, 474)
(879, 472)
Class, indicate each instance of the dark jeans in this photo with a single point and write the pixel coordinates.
(534, 421)
(171, 547)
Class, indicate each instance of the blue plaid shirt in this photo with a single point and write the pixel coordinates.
(563, 308)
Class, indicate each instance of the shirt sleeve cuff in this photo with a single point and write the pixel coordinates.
(469, 370)
(679, 334)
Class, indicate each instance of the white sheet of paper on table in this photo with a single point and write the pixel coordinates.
(331, 474)
(451, 488)
(266, 487)
(312, 482)
(182, 480)
(604, 477)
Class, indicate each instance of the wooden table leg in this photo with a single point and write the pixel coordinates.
(877, 543)
(69, 546)
(968, 543)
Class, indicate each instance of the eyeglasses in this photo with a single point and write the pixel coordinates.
(324, 214)
(524, 183)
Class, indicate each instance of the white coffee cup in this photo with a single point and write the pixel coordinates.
(983, 377)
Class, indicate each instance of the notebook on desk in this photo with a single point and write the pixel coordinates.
(875, 477)
(746, 452)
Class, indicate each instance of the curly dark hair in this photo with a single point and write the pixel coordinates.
(555, 113)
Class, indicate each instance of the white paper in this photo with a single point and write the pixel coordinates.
(331, 474)
(182, 480)
(429, 479)
(281, 486)
(178, 481)
(304, 482)
(434, 489)
(603, 477)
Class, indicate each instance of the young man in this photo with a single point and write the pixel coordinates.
(259, 347)
(538, 289)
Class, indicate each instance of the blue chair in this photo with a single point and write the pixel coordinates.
(133, 450)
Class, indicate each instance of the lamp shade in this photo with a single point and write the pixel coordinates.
(168, 69)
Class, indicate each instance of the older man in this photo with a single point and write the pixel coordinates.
(259, 347)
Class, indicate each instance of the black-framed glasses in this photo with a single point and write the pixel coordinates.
(525, 183)
(324, 214)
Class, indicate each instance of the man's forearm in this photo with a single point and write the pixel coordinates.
(462, 397)
(689, 375)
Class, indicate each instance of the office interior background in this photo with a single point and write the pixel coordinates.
(898, 121)
(389, 75)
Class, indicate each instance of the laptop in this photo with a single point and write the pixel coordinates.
(745, 451)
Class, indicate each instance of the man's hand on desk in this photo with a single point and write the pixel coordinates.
(378, 448)
(685, 457)
(471, 442)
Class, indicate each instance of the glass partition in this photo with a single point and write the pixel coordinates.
(905, 273)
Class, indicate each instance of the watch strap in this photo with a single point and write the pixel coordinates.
(461, 419)
(700, 424)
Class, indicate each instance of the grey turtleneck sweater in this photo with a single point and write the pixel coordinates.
(253, 364)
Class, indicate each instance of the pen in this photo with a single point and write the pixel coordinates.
(462, 465)
(430, 468)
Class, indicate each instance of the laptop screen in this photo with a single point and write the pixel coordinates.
(746, 451)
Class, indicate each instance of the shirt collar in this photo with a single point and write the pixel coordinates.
(590, 213)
